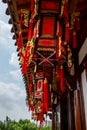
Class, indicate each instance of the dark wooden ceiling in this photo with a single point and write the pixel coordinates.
(15, 6)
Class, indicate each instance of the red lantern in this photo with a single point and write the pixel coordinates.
(40, 85)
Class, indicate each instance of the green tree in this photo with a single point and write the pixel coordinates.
(9, 124)
(46, 128)
(2, 126)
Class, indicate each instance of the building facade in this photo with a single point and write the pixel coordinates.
(51, 40)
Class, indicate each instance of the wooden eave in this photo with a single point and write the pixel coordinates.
(14, 10)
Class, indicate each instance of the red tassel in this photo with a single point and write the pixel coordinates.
(30, 89)
(24, 66)
(25, 59)
(30, 31)
(66, 9)
(45, 96)
(74, 40)
(61, 75)
(31, 28)
(67, 32)
(32, 5)
(27, 52)
(21, 21)
(19, 42)
(41, 117)
(20, 53)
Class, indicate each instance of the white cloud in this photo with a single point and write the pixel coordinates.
(6, 40)
(12, 101)
(2, 11)
(16, 74)
(12, 96)
(4, 28)
(4, 31)
(14, 60)
(6, 37)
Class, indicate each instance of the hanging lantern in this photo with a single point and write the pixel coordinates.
(38, 95)
(40, 85)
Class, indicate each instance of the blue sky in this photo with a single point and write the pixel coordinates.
(12, 90)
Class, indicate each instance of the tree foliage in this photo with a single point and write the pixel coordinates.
(9, 124)
(46, 128)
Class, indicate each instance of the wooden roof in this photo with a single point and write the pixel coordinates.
(15, 6)
(77, 7)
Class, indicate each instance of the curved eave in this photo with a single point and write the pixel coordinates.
(14, 10)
